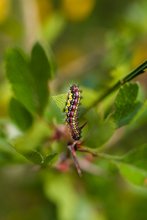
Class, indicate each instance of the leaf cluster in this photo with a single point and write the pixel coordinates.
(37, 115)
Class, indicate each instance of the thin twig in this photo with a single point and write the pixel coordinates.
(74, 157)
(139, 70)
(95, 153)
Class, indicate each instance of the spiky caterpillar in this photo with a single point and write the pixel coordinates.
(71, 110)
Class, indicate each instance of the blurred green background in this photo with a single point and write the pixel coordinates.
(94, 43)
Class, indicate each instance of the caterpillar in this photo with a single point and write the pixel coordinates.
(71, 110)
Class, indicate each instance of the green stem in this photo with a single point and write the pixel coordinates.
(139, 70)
(96, 153)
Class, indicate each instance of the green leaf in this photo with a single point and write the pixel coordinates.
(33, 138)
(8, 154)
(60, 100)
(20, 115)
(98, 131)
(88, 97)
(19, 75)
(53, 113)
(133, 166)
(41, 73)
(141, 116)
(132, 174)
(29, 79)
(34, 156)
(126, 105)
(49, 158)
(137, 157)
(37, 158)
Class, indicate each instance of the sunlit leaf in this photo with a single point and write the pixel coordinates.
(60, 100)
(53, 112)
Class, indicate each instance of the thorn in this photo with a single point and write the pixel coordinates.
(83, 125)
